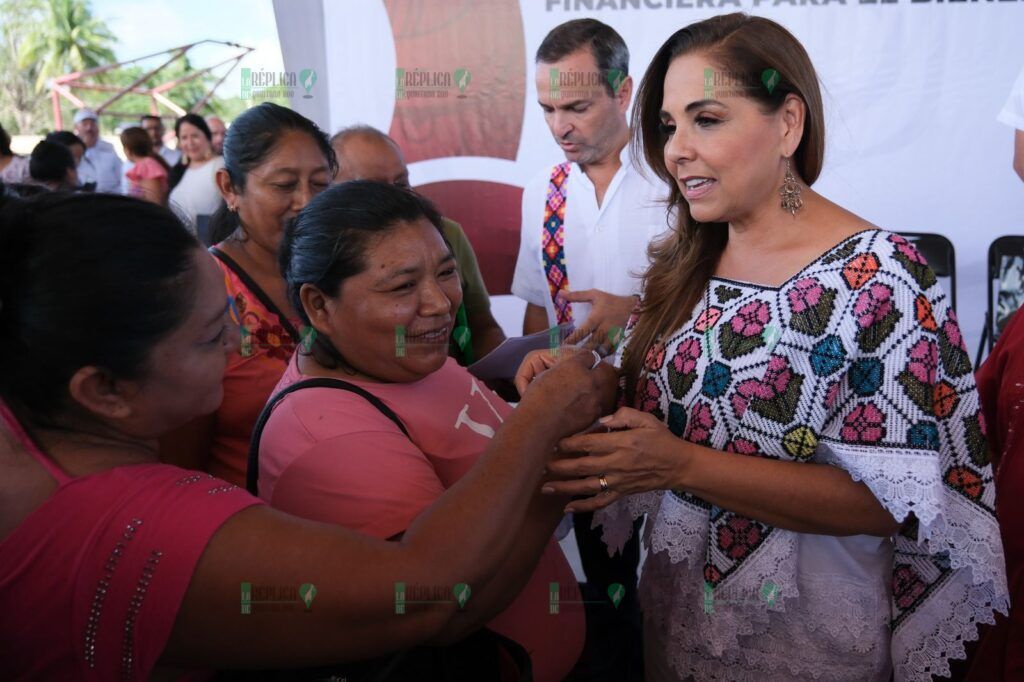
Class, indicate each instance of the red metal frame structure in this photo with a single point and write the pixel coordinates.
(64, 86)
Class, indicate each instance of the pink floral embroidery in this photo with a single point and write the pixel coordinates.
(831, 394)
(805, 294)
(744, 392)
(865, 424)
(912, 254)
(655, 357)
(924, 361)
(707, 319)
(873, 304)
(686, 356)
(751, 319)
(741, 446)
(648, 397)
(776, 378)
(952, 332)
(907, 586)
(738, 537)
(701, 423)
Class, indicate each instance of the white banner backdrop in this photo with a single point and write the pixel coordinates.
(911, 93)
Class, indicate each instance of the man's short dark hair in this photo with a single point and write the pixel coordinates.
(50, 162)
(151, 117)
(66, 138)
(607, 46)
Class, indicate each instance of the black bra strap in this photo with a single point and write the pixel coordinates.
(261, 295)
(253, 467)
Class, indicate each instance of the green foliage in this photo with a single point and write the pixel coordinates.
(43, 39)
(67, 39)
(22, 107)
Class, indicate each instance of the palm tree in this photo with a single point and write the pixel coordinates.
(20, 102)
(68, 39)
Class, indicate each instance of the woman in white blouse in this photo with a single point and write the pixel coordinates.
(193, 188)
(799, 418)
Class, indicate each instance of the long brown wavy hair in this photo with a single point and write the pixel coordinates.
(683, 262)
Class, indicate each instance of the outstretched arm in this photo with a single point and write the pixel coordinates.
(467, 536)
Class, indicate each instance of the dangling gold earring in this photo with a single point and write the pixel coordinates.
(790, 192)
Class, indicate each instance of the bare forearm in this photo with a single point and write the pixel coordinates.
(517, 568)
(802, 497)
(474, 517)
(535, 319)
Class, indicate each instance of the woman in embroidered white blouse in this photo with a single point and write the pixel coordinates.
(800, 422)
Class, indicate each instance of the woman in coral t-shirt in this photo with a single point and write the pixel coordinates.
(383, 313)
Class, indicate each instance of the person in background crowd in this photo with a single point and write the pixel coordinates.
(193, 179)
(154, 127)
(217, 132)
(71, 141)
(13, 168)
(596, 212)
(365, 153)
(1012, 115)
(149, 171)
(100, 163)
(276, 161)
(586, 225)
(1000, 653)
(53, 166)
(113, 329)
(800, 423)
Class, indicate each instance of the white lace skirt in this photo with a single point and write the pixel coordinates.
(832, 623)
